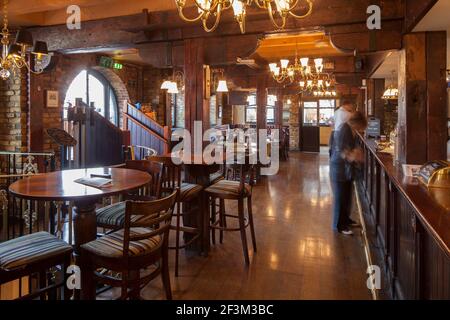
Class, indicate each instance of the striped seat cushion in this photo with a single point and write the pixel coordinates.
(189, 191)
(215, 177)
(228, 188)
(111, 245)
(33, 248)
(112, 216)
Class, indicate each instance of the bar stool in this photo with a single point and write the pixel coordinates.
(190, 194)
(237, 191)
(142, 243)
(35, 253)
(112, 217)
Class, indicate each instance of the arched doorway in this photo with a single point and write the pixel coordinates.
(94, 89)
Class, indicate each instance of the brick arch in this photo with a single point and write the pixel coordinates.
(119, 87)
(116, 82)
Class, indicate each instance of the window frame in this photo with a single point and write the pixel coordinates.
(108, 91)
(318, 108)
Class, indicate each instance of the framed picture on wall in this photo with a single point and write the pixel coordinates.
(52, 99)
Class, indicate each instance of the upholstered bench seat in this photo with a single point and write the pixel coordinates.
(111, 245)
(228, 188)
(24, 251)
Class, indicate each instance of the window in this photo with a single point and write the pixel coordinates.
(271, 100)
(251, 109)
(310, 113)
(326, 112)
(177, 109)
(319, 112)
(93, 89)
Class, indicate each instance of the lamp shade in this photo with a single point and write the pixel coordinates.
(15, 50)
(304, 62)
(272, 67)
(222, 87)
(284, 63)
(390, 94)
(173, 88)
(24, 38)
(165, 85)
(40, 48)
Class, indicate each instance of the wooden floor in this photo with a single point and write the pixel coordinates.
(299, 256)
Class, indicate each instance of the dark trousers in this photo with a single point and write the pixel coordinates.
(342, 199)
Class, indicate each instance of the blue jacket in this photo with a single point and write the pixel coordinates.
(341, 140)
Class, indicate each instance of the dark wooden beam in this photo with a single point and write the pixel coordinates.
(360, 40)
(93, 35)
(415, 10)
(168, 26)
(219, 51)
(374, 61)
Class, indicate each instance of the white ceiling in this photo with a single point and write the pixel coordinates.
(437, 19)
(388, 69)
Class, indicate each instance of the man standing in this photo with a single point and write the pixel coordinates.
(342, 114)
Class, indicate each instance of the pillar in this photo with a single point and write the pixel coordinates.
(423, 98)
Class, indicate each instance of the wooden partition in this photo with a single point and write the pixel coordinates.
(412, 228)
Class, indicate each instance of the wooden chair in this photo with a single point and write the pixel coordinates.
(142, 243)
(237, 191)
(190, 194)
(35, 254)
(112, 217)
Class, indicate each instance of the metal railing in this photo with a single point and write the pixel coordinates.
(19, 216)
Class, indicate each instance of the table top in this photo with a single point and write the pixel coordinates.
(61, 185)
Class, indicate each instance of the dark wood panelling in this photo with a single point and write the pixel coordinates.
(412, 230)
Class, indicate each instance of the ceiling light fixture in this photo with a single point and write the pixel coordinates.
(391, 93)
(14, 55)
(213, 9)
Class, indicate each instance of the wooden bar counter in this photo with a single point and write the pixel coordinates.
(412, 226)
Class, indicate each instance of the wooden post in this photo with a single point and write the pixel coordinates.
(196, 103)
(261, 102)
(423, 98)
(279, 108)
(376, 88)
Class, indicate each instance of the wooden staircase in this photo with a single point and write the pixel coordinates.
(145, 131)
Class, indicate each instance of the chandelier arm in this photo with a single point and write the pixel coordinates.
(224, 4)
(216, 24)
(272, 18)
(181, 14)
(310, 9)
(263, 5)
(211, 9)
(241, 22)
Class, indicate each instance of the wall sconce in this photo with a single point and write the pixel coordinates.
(219, 79)
(172, 86)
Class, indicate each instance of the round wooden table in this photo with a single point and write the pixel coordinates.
(61, 186)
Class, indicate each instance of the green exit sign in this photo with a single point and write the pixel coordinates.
(110, 63)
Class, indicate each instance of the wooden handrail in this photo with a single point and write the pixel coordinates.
(149, 130)
(147, 117)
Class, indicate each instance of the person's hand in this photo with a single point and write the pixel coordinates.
(357, 155)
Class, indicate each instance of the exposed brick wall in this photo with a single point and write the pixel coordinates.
(294, 123)
(13, 113)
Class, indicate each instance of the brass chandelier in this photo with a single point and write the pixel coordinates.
(211, 10)
(14, 55)
(311, 79)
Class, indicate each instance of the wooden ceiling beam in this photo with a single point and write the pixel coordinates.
(415, 10)
(94, 35)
